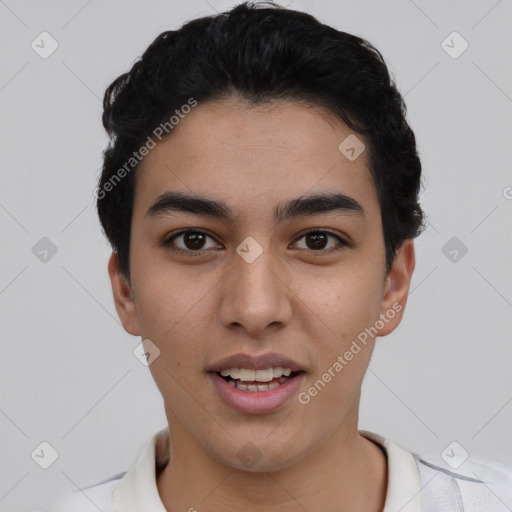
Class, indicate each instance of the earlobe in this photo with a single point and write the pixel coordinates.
(123, 298)
(396, 287)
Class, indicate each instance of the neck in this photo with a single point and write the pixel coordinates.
(348, 472)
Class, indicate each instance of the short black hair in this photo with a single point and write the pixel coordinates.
(261, 53)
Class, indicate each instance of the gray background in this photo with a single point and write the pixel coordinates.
(68, 375)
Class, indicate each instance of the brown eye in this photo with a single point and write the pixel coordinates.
(319, 240)
(191, 240)
(316, 240)
(194, 240)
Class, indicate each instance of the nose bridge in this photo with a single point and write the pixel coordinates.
(255, 295)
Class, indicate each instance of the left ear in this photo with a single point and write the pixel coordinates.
(396, 288)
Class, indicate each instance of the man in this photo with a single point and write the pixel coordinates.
(260, 193)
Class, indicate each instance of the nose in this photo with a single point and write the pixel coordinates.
(255, 295)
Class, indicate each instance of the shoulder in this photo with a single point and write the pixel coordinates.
(89, 499)
(477, 485)
(458, 483)
(123, 491)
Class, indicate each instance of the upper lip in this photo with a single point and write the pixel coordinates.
(261, 362)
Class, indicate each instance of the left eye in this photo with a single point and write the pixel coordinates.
(318, 241)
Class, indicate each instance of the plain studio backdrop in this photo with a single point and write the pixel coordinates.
(68, 374)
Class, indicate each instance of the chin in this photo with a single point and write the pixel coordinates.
(262, 456)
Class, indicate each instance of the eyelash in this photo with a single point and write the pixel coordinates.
(169, 241)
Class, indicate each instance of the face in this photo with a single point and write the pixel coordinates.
(257, 284)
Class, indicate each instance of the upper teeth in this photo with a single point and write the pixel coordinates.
(248, 375)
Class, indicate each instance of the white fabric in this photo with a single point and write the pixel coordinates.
(414, 484)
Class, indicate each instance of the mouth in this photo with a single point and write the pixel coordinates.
(257, 381)
(256, 385)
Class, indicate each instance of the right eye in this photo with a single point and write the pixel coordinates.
(191, 241)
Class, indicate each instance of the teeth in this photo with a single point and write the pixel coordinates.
(264, 375)
(252, 387)
(247, 375)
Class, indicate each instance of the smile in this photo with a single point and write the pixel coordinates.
(246, 379)
(248, 395)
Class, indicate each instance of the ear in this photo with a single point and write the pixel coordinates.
(123, 298)
(396, 288)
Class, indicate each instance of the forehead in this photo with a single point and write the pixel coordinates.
(251, 156)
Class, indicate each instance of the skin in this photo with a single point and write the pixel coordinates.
(304, 303)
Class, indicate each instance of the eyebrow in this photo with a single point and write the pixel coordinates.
(170, 202)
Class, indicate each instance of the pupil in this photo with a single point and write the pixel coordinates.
(194, 240)
(319, 240)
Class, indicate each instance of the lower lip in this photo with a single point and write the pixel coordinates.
(256, 402)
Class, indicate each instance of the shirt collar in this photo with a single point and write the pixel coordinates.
(403, 491)
(137, 490)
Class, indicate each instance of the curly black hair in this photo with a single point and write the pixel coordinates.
(261, 53)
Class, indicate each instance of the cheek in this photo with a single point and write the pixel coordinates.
(344, 349)
(175, 312)
(344, 305)
(167, 298)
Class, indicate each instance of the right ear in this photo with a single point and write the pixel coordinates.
(123, 298)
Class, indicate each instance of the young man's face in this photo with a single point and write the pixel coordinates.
(255, 286)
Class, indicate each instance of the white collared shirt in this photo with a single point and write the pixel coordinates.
(414, 484)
